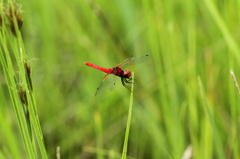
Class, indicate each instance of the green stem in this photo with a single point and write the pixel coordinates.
(124, 153)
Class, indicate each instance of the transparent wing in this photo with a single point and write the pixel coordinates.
(131, 58)
(111, 81)
(134, 62)
(140, 60)
(100, 86)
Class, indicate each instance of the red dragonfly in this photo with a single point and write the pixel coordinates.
(118, 71)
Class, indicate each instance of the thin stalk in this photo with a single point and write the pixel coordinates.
(124, 153)
(211, 120)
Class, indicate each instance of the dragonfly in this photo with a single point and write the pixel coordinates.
(118, 70)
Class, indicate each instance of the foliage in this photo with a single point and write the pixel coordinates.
(184, 97)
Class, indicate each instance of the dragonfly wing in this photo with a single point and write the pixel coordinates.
(140, 60)
(131, 58)
(100, 86)
(111, 81)
(134, 62)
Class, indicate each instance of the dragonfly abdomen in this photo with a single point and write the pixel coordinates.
(106, 70)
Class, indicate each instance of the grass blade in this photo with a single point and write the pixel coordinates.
(21, 93)
(212, 123)
(124, 153)
(223, 29)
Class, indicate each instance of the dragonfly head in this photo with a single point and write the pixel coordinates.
(126, 74)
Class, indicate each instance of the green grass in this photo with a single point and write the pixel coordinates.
(213, 126)
(125, 145)
(172, 109)
(18, 82)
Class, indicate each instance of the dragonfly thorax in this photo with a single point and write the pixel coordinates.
(126, 74)
(119, 72)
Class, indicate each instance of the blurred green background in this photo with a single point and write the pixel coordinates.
(186, 40)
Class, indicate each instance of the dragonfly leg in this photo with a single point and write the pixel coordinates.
(128, 80)
(124, 84)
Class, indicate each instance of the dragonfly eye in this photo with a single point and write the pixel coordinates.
(127, 74)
